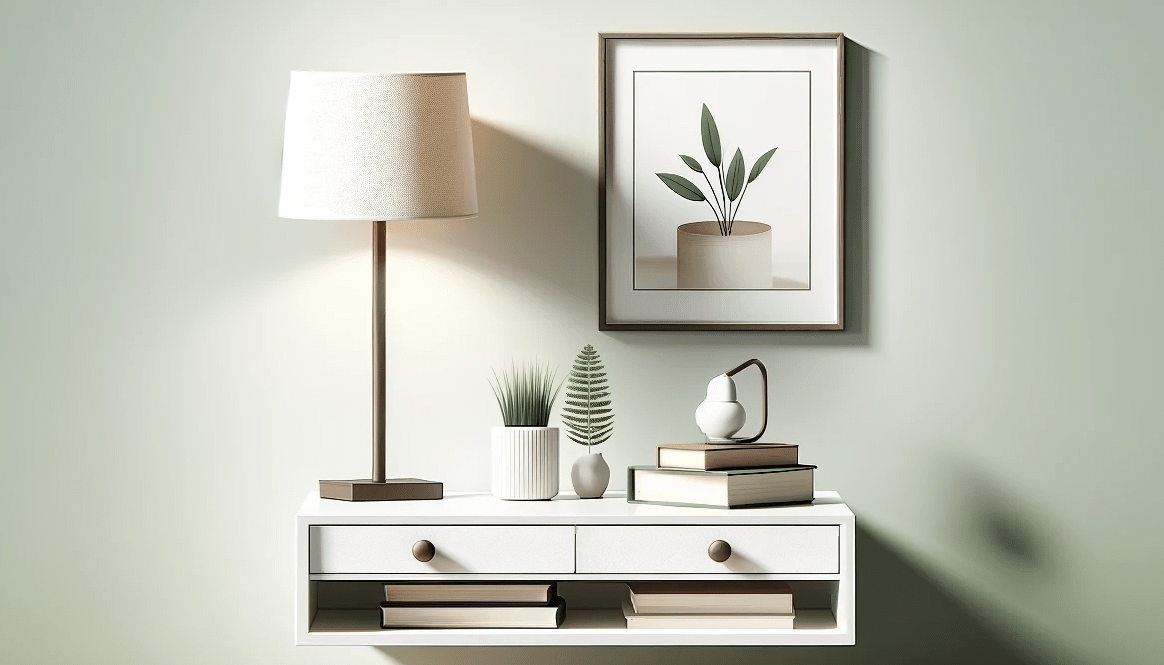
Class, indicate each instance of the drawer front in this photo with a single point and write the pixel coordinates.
(459, 549)
(684, 549)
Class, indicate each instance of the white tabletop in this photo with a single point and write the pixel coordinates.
(484, 508)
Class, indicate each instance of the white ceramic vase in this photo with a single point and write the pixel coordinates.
(590, 476)
(525, 463)
(720, 416)
(708, 260)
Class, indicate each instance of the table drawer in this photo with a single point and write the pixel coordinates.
(684, 549)
(459, 549)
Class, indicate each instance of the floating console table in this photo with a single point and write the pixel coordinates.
(590, 547)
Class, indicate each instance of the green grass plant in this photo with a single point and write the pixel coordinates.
(526, 394)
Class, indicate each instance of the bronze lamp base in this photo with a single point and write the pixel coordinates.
(392, 489)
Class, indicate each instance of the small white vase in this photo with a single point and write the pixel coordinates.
(720, 416)
(708, 260)
(525, 463)
(590, 475)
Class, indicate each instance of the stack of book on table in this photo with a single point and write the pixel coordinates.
(718, 475)
(457, 605)
(709, 604)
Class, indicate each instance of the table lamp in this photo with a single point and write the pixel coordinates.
(378, 147)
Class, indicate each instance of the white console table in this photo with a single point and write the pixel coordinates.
(590, 547)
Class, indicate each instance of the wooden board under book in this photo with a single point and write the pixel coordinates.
(711, 597)
(713, 456)
(638, 620)
(462, 593)
(733, 488)
(473, 616)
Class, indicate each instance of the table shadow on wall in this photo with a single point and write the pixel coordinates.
(903, 617)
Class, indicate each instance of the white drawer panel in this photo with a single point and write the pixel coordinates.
(683, 549)
(459, 549)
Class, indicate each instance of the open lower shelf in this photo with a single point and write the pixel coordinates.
(347, 613)
(581, 627)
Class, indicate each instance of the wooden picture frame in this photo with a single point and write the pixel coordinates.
(732, 109)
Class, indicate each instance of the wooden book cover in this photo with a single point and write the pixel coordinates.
(712, 456)
(454, 593)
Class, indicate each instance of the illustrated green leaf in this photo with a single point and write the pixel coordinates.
(692, 163)
(682, 186)
(735, 176)
(710, 135)
(760, 164)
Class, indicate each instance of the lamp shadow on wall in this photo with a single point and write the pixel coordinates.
(862, 66)
(538, 221)
(903, 617)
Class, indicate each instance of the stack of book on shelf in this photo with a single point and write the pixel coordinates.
(457, 605)
(722, 476)
(709, 604)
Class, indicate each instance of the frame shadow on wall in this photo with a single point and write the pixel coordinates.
(902, 617)
(861, 66)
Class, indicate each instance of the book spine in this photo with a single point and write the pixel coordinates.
(721, 507)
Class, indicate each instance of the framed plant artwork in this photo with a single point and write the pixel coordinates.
(721, 204)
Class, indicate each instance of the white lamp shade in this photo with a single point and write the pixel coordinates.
(377, 147)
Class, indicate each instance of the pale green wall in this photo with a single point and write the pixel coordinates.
(179, 366)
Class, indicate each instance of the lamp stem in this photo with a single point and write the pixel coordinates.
(379, 359)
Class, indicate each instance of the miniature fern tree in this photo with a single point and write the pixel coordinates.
(587, 414)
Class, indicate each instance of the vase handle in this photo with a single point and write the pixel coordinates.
(763, 396)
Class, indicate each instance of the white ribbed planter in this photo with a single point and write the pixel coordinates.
(525, 463)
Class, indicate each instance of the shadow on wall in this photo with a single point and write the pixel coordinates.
(998, 525)
(538, 222)
(902, 618)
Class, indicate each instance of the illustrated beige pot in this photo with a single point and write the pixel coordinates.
(708, 260)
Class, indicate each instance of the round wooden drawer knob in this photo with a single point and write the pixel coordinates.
(719, 551)
(423, 550)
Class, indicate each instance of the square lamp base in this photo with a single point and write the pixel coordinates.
(392, 489)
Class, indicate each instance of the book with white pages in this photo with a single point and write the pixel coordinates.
(733, 488)
(473, 616)
(640, 620)
(711, 597)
